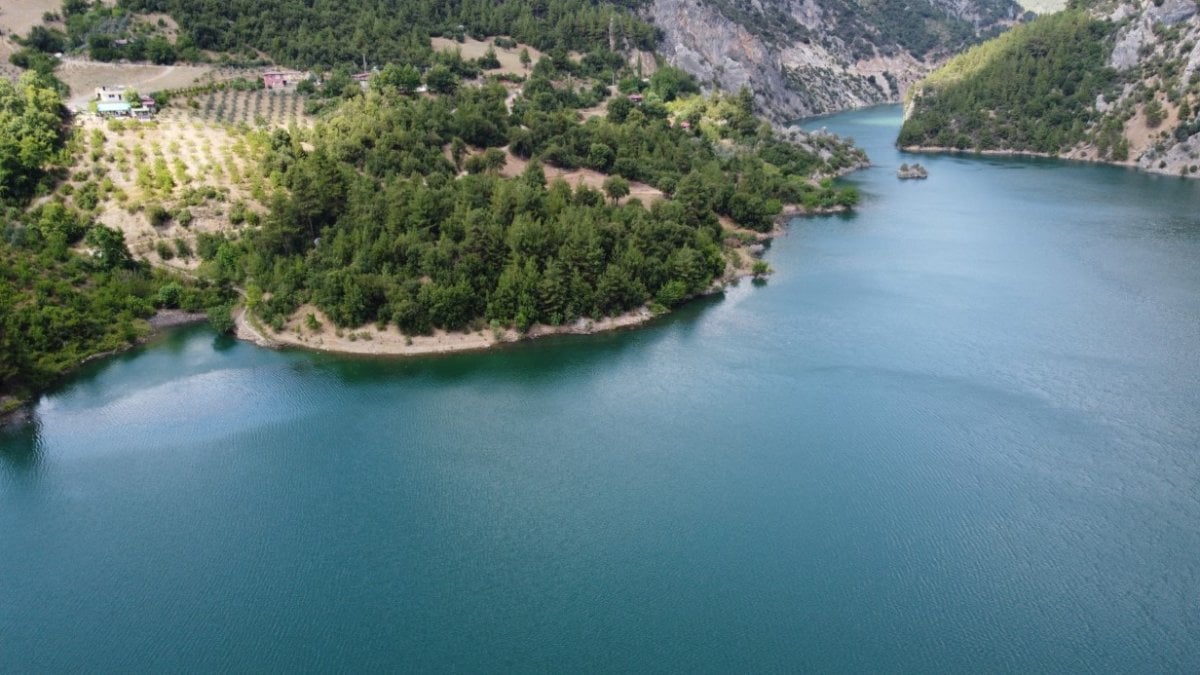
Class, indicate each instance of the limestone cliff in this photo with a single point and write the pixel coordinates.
(1156, 54)
(804, 57)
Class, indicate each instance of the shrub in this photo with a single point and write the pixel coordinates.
(220, 317)
(157, 215)
(169, 295)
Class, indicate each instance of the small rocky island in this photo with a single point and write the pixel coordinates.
(907, 172)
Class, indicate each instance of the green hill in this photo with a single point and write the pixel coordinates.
(419, 199)
(1033, 88)
(1105, 81)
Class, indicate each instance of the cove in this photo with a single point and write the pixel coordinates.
(956, 431)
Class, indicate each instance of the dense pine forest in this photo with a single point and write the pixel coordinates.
(399, 213)
(1100, 81)
(1032, 88)
(330, 32)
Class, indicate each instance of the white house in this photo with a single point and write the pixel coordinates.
(110, 94)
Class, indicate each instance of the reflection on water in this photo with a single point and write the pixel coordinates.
(20, 446)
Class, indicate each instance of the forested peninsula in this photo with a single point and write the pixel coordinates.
(498, 170)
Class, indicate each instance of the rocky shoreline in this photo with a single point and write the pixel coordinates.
(372, 341)
(1178, 166)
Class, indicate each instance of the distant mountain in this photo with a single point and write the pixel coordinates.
(1103, 81)
(803, 57)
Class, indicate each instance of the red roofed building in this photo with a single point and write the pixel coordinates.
(274, 79)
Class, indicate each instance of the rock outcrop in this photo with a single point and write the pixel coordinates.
(1157, 55)
(805, 57)
(912, 172)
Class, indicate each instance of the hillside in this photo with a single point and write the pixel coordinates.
(469, 184)
(799, 57)
(817, 56)
(1044, 6)
(69, 288)
(1112, 82)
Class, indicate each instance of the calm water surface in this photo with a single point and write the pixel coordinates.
(958, 431)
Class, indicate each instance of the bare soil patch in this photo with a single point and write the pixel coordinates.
(1141, 136)
(589, 177)
(390, 341)
(83, 76)
(510, 59)
(18, 16)
(176, 163)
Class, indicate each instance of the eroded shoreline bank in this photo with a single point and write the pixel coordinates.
(1171, 169)
(370, 340)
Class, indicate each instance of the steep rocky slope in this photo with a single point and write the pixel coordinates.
(1156, 55)
(802, 57)
(1113, 81)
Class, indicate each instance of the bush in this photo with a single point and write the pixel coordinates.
(220, 317)
(237, 213)
(157, 215)
(672, 293)
(169, 295)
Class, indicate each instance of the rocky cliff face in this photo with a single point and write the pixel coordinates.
(1157, 57)
(805, 57)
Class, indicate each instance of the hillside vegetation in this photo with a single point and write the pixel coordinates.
(1108, 81)
(401, 212)
(68, 286)
(418, 200)
(333, 32)
(1032, 88)
(919, 27)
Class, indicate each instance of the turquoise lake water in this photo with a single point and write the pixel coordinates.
(957, 431)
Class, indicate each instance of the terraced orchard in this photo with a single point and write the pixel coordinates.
(168, 183)
(259, 108)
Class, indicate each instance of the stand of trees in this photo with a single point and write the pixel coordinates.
(1032, 88)
(377, 223)
(329, 32)
(397, 208)
(106, 33)
(58, 306)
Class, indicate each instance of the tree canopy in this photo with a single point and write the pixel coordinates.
(31, 134)
(377, 224)
(330, 32)
(1032, 88)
